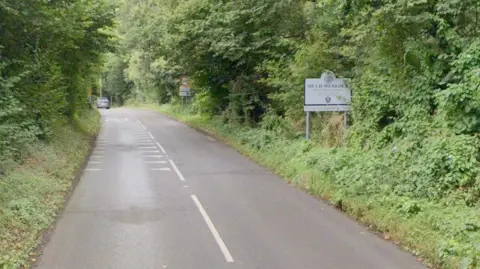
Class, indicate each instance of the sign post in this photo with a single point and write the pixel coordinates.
(184, 89)
(327, 93)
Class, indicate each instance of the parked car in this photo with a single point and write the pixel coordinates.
(103, 102)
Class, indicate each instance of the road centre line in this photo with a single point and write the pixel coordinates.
(175, 168)
(161, 148)
(213, 230)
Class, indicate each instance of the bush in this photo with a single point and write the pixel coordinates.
(31, 194)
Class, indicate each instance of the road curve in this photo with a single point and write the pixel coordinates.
(158, 194)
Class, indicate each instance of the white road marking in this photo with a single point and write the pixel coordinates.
(143, 126)
(147, 147)
(150, 134)
(94, 162)
(161, 148)
(150, 151)
(145, 143)
(153, 156)
(160, 169)
(212, 228)
(93, 169)
(185, 186)
(179, 174)
(156, 162)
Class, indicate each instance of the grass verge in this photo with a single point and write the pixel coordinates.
(443, 233)
(33, 193)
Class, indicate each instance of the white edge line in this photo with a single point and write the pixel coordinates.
(212, 228)
(150, 134)
(176, 170)
(161, 148)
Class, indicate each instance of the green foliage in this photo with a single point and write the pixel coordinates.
(413, 193)
(31, 194)
(411, 150)
(50, 55)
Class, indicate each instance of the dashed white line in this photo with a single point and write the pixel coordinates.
(162, 162)
(179, 174)
(212, 228)
(160, 169)
(160, 147)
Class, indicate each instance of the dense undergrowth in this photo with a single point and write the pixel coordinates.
(32, 193)
(391, 190)
(51, 56)
(409, 161)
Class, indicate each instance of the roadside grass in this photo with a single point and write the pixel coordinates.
(33, 193)
(443, 233)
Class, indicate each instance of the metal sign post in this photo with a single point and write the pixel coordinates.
(307, 127)
(327, 93)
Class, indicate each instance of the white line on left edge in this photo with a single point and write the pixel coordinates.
(212, 228)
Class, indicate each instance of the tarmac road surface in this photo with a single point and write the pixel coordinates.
(157, 194)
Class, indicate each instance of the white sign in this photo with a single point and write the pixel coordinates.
(184, 88)
(184, 91)
(326, 93)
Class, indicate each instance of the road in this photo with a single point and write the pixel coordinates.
(158, 194)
